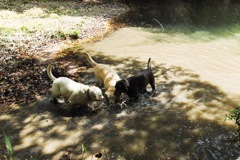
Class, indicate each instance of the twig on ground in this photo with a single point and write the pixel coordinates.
(159, 24)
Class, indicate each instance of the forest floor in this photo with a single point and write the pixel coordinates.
(33, 32)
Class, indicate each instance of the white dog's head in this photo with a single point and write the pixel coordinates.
(95, 93)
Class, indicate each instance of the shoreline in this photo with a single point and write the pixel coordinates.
(35, 34)
(35, 27)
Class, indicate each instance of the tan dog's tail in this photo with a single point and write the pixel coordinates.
(49, 72)
(149, 65)
(90, 60)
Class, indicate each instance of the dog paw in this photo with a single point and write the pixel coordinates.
(121, 105)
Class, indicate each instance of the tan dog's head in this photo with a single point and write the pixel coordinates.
(110, 97)
(95, 93)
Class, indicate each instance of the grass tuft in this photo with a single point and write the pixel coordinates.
(8, 143)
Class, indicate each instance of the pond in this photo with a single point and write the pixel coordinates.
(197, 80)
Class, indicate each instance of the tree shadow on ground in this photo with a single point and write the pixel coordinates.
(20, 80)
(183, 119)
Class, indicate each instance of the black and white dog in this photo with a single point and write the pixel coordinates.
(136, 85)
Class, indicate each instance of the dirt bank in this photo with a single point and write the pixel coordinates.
(33, 32)
(182, 12)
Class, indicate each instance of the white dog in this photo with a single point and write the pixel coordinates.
(104, 75)
(73, 92)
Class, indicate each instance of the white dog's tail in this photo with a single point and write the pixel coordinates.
(49, 72)
(90, 60)
(149, 65)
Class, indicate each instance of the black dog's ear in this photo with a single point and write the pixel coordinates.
(126, 84)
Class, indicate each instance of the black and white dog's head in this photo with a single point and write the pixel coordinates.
(121, 87)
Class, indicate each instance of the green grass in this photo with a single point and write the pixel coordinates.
(68, 18)
(6, 30)
(8, 143)
(234, 114)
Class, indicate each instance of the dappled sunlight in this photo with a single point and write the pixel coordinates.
(120, 124)
(171, 124)
(187, 105)
(28, 140)
(129, 132)
(5, 117)
(35, 20)
(196, 112)
(215, 61)
(34, 12)
(42, 130)
(136, 146)
(201, 99)
(98, 126)
(185, 115)
(6, 14)
(39, 29)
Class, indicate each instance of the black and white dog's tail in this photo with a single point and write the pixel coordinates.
(149, 65)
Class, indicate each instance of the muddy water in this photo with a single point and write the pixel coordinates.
(197, 77)
(215, 59)
(196, 84)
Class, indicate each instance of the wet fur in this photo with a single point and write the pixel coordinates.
(136, 85)
(73, 92)
(106, 76)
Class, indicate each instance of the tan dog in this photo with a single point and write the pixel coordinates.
(104, 75)
(73, 92)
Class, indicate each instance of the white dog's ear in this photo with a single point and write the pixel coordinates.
(95, 92)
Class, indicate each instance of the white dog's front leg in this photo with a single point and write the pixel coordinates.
(55, 92)
(72, 99)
